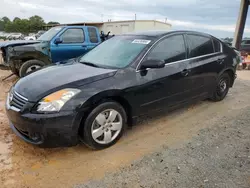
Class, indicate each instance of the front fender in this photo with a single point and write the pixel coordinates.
(28, 55)
(86, 102)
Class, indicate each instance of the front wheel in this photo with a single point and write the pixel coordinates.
(30, 66)
(104, 125)
(222, 87)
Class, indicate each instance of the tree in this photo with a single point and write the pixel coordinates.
(5, 19)
(16, 19)
(53, 23)
(1, 25)
(25, 26)
(36, 23)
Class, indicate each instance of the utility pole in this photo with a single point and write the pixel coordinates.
(241, 23)
(135, 16)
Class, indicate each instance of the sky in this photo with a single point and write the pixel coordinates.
(216, 17)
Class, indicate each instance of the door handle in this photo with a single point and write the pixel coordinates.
(220, 61)
(185, 72)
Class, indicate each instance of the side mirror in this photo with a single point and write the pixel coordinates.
(58, 41)
(153, 64)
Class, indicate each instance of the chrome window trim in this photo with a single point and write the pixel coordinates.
(166, 64)
(22, 97)
(221, 50)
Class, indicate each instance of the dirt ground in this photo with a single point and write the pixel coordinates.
(203, 145)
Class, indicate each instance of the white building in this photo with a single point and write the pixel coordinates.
(121, 27)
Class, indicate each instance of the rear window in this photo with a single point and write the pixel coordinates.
(92, 35)
(199, 45)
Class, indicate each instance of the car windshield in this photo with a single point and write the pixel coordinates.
(47, 36)
(117, 52)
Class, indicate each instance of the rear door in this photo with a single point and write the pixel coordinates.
(73, 45)
(207, 61)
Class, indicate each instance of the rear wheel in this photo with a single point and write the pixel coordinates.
(30, 66)
(104, 125)
(222, 87)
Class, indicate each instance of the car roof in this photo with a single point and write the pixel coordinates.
(160, 33)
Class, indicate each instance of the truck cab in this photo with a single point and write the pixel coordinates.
(70, 41)
(56, 45)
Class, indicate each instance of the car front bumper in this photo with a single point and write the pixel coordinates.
(46, 130)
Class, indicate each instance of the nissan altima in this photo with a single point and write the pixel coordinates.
(92, 98)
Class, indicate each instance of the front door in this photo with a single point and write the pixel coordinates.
(73, 45)
(166, 86)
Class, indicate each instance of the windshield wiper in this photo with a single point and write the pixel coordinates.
(89, 64)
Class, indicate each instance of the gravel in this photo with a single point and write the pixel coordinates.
(216, 157)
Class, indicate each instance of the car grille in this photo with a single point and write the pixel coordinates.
(16, 100)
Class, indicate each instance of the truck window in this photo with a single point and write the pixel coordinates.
(92, 35)
(73, 35)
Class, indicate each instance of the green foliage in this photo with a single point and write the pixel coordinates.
(25, 26)
(53, 23)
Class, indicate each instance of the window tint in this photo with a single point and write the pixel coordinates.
(73, 36)
(217, 45)
(246, 42)
(170, 49)
(199, 45)
(92, 35)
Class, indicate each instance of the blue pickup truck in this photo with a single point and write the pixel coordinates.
(56, 45)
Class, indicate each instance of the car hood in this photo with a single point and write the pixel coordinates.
(53, 78)
(16, 43)
(30, 47)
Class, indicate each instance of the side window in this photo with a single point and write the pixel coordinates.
(73, 36)
(199, 45)
(92, 35)
(217, 45)
(169, 50)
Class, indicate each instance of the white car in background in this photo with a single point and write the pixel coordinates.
(32, 37)
(15, 36)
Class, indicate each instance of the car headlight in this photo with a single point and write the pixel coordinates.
(55, 101)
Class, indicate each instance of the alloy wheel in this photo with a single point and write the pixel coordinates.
(222, 86)
(106, 126)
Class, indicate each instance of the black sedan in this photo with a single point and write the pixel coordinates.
(92, 98)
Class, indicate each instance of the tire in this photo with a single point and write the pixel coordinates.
(91, 125)
(30, 66)
(221, 90)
